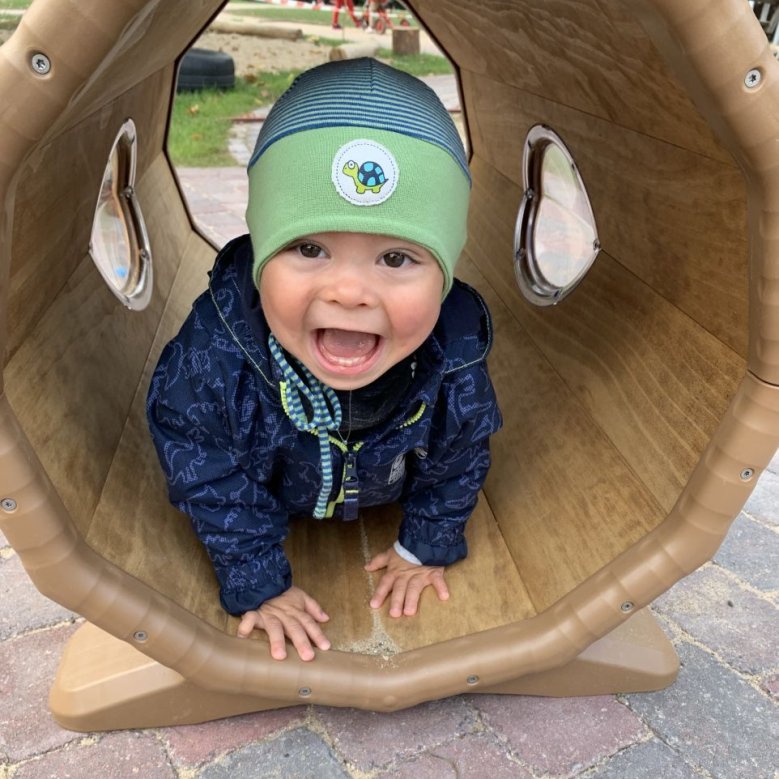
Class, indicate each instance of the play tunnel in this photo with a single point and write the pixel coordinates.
(624, 232)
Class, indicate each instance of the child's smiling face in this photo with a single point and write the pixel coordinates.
(349, 306)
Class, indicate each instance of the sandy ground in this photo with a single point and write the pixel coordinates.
(254, 55)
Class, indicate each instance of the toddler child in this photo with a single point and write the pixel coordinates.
(334, 362)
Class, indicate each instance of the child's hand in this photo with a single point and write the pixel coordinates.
(405, 581)
(294, 614)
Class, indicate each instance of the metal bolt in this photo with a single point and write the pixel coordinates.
(8, 504)
(747, 474)
(627, 606)
(753, 78)
(40, 63)
(472, 679)
(140, 635)
(529, 194)
(596, 245)
(304, 692)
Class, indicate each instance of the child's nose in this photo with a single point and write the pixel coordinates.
(349, 287)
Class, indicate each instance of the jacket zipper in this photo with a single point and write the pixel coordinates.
(350, 481)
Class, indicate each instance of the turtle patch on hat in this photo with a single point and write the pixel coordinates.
(364, 172)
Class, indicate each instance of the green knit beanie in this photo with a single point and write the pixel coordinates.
(357, 146)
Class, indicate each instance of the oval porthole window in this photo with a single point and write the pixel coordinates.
(555, 239)
(119, 244)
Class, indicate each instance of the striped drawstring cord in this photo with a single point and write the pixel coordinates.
(325, 414)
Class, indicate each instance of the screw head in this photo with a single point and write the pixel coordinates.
(40, 63)
(753, 78)
(627, 606)
(747, 474)
(472, 679)
(8, 504)
(140, 636)
(304, 692)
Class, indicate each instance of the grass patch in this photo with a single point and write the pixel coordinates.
(201, 121)
(299, 15)
(10, 22)
(417, 64)
(331, 42)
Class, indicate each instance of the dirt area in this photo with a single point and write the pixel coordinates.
(252, 54)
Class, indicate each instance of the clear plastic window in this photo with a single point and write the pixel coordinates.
(119, 244)
(556, 240)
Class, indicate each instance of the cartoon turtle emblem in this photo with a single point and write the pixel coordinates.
(369, 175)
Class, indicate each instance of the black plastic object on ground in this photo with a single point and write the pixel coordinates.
(203, 68)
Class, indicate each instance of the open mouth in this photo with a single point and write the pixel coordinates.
(347, 351)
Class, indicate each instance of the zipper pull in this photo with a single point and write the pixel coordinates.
(351, 487)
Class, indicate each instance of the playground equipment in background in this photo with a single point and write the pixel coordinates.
(375, 16)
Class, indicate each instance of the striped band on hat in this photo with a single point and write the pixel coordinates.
(362, 93)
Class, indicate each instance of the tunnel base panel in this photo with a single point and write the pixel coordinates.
(103, 683)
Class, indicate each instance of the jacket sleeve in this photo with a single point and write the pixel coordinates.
(202, 450)
(442, 487)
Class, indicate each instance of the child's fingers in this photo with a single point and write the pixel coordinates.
(301, 642)
(439, 585)
(275, 630)
(249, 621)
(314, 609)
(398, 597)
(413, 591)
(301, 632)
(384, 588)
(314, 632)
(378, 562)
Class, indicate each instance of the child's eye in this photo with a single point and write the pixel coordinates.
(396, 259)
(310, 250)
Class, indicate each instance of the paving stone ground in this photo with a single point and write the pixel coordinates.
(720, 720)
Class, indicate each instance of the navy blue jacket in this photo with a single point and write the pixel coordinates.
(239, 468)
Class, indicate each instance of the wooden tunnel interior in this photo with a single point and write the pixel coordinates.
(609, 398)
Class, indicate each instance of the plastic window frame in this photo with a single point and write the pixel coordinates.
(126, 146)
(530, 279)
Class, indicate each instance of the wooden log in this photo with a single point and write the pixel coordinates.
(238, 24)
(405, 40)
(352, 51)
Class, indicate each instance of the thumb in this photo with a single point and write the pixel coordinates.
(379, 561)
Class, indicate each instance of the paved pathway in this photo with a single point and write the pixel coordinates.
(720, 720)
